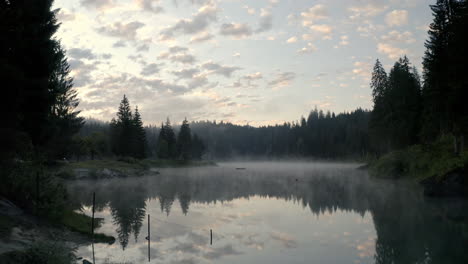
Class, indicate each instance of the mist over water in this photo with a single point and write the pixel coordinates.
(272, 212)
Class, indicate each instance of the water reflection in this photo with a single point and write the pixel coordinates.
(409, 228)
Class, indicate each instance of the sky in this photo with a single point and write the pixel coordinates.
(256, 62)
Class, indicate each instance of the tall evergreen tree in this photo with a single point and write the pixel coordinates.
(139, 136)
(378, 122)
(445, 78)
(162, 146)
(184, 141)
(404, 95)
(436, 67)
(198, 147)
(35, 72)
(167, 148)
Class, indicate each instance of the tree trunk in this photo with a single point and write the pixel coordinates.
(455, 145)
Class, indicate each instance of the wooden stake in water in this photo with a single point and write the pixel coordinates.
(211, 237)
(92, 224)
(149, 239)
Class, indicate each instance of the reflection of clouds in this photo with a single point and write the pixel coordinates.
(366, 248)
(286, 240)
(217, 253)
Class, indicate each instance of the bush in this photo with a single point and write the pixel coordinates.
(420, 161)
(40, 253)
(30, 186)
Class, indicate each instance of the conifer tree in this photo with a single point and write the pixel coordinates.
(139, 136)
(162, 146)
(198, 147)
(184, 141)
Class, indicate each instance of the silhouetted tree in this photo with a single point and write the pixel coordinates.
(184, 141)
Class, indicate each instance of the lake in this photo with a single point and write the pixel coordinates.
(272, 212)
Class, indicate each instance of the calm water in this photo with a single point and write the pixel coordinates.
(273, 213)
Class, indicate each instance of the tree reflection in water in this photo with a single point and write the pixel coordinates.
(410, 228)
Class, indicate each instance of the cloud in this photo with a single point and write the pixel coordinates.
(286, 240)
(397, 18)
(78, 53)
(217, 253)
(253, 76)
(178, 54)
(266, 21)
(198, 23)
(315, 13)
(186, 73)
(282, 79)
(399, 37)
(119, 44)
(81, 72)
(308, 49)
(365, 11)
(215, 68)
(99, 4)
(125, 31)
(150, 5)
(65, 15)
(292, 40)
(322, 28)
(391, 51)
(235, 30)
(150, 69)
(202, 37)
(363, 70)
(183, 58)
(344, 40)
(250, 10)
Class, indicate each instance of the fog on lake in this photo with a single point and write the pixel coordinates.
(272, 212)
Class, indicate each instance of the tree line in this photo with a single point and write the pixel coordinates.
(320, 135)
(409, 111)
(125, 136)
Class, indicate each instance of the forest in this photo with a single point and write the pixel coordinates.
(42, 128)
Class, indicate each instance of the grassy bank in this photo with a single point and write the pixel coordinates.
(82, 224)
(420, 162)
(122, 167)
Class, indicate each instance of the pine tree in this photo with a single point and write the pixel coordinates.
(184, 141)
(170, 139)
(404, 100)
(436, 66)
(198, 147)
(162, 146)
(378, 121)
(445, 78)
(34, 70)
(122, 130)
(64, 121)
(139, 136)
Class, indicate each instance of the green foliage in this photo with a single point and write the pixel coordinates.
(420, 161)
(41, 101)
(395, 118)
(184, 141)
(445, 79)
(127, 134)
(198, 148)
(31, 186)
(82, 224)
(41, 253)
(167, 145)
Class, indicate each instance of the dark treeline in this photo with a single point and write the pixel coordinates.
(125, 136)
(408, 111)
(321, 135)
